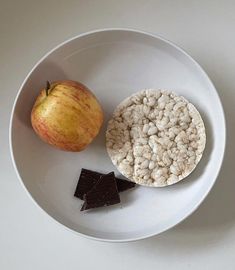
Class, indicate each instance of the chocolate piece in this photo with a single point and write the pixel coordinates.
(123, 185)
(86, 182)
(103, 193)
(89, 178)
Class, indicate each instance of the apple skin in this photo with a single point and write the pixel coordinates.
(69, 117)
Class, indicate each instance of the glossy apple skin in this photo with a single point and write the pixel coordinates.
(69, 117)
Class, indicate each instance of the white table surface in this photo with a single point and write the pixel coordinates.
(28, 237)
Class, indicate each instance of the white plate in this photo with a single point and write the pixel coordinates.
(114, 63)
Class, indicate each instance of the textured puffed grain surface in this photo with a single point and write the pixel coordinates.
(155, 138)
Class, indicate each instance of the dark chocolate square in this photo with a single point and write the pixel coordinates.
(104, 193)
(86, 182)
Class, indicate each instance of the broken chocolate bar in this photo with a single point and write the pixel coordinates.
(103, 193)
(89, 178)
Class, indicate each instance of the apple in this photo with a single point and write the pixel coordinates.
(67, 115)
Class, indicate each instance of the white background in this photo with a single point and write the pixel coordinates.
(28, 237)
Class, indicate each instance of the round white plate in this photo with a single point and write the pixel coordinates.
(114, 63)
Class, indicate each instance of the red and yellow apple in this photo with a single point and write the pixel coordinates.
(67, 115)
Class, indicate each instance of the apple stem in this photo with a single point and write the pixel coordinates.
(47, 88)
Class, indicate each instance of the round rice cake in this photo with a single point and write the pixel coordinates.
(155, 138)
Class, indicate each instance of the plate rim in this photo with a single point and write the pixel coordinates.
(146, 33)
